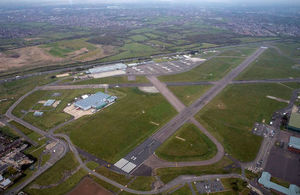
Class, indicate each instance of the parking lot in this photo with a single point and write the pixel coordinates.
(209, 186)
(264, 130)
(170, 67)
(283, 163)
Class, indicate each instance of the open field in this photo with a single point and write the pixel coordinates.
(137, 183)
(52, 116)
(143, 183)
(270, 65)
(55, 175)
(7, 131)
(105, 184)
(11, 91)
(238, 51)
(138, 38)
(213, 69)
(132, 50)
(187, 144)
(188, 94)
(113, 132)
(221, 167)
(89, 187)
(31, 134)
(185, 190)
(122, 179)
(60, 52)
(290, 49)
(231, 115)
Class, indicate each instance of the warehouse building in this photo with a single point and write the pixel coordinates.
(49, 102)
(119, 66)
(96, 101)
(294, 144)
(294, 123)
(38, 113)
(265, 181)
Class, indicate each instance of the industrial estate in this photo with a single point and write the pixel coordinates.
(156, 112)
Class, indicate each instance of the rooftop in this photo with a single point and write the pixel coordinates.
(295, 120)
(265, 181)
(49, 102)
(294, 142)
(94, 101)
(5, 182)
(107, 68)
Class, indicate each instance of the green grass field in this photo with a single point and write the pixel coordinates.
(232, 114)
(132, 50)
(290, 49)
(221, 167)
(12, 91)
(64, 48)
(238, 51)
(143, 183)
(122, 179)
(52, 116)
(213, 69)
(185, 190)
(270, 65)
(55, 174)
(8, 131)
(113, 132)
(187, 144)
(188, 94)
(31, 134)
(138, 38)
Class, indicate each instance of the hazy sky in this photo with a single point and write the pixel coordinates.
(241, 2)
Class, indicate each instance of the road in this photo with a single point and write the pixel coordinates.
(101, 86)
(26, 138)
(162, 88)
(60, 151)
(60, 148)
(148, 147)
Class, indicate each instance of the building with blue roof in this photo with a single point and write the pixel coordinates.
(49, 102)
(294, 144)
(96, 101)
(38, 113)
(265, 180)
(119, 66)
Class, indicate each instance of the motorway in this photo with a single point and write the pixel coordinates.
(148, 147)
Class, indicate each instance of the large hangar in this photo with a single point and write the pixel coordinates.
(96, 101)
(108, 68)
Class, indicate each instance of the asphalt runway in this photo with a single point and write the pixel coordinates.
(148, 147)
